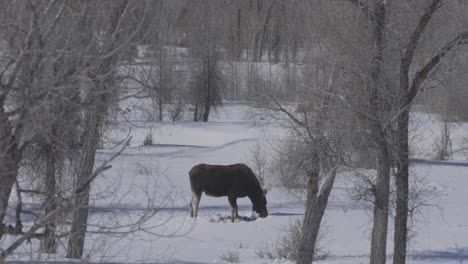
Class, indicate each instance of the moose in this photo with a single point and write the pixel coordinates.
(233, 181)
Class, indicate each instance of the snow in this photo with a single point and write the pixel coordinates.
(157, 177)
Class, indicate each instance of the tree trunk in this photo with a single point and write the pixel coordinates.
(276, 44)
(402, 190)
(256, 48)
(8, 174)
(49, 242)
(161, 84)
(238, 45)
(208, 92)
(206, 110)
(10, 157)
(160, 108)
(99, 101)
(381, 193)
(407, 94)
(310, 225)
(382, 185)
(195, 113)
(80, 213)
(316, 203)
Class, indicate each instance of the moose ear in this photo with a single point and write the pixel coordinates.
(265, 191)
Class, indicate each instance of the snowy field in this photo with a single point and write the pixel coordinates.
(157, 177)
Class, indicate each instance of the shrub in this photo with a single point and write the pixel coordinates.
(176, 111)
(148, 141)
(230, 257)
(288, 246)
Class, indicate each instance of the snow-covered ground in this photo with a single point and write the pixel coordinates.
(157, 177)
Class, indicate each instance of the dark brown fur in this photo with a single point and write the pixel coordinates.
(233, 181)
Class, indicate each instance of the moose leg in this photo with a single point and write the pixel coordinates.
(194, 204)
(234, 209)
(191, 207)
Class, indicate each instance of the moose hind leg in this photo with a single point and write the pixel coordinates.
(194, 204)
(234, 208)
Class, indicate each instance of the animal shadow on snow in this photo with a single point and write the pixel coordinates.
(219, 218)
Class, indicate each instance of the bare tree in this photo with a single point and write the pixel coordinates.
(56, 120)
(160, 79)
(207, 87)
(102, 77)
(19, 96)
(413, 72)
(207, 82)
(367, 95)
(310, 158)
(308, 161)
(44, 97)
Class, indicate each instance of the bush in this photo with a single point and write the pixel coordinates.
(443, 143)
(230, 257)
(176, 111)
(288, 246)
(148, 141)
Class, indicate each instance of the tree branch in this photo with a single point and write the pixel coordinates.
(16, 62)
(426, 71)
(414, 38)
(291, 116)
(30, 233)
(54, 23)
(104, 166)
